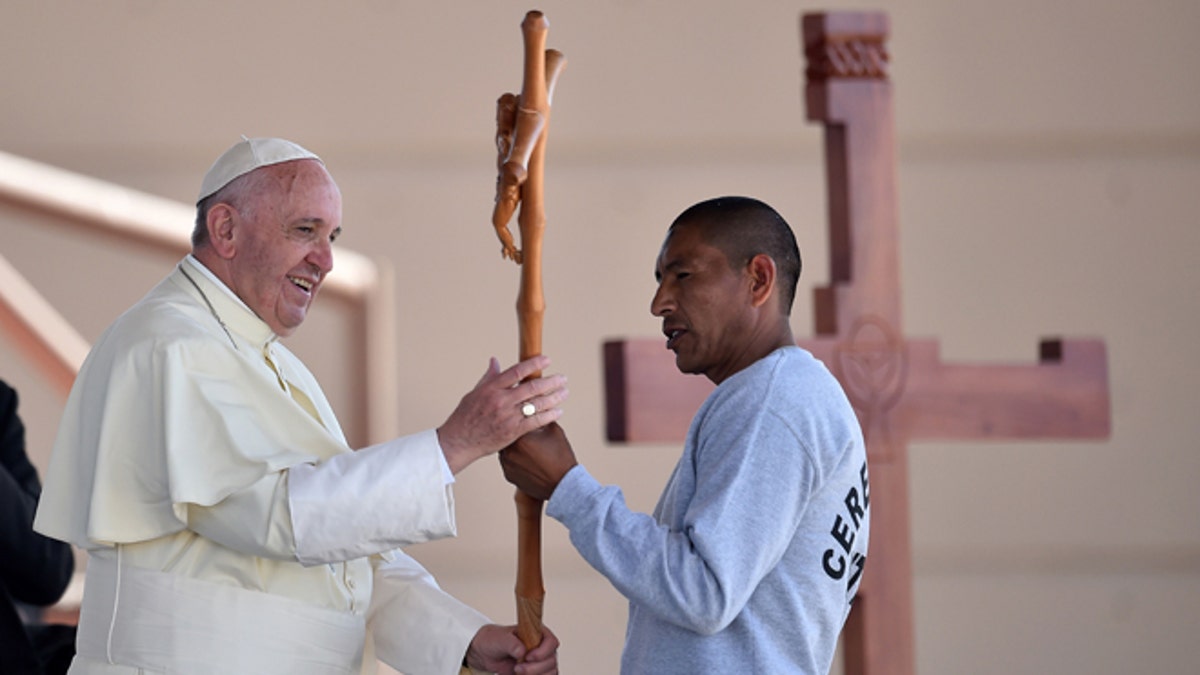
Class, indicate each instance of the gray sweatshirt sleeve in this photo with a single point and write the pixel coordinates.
(728, 514)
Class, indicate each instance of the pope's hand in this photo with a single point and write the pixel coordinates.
(500, 409)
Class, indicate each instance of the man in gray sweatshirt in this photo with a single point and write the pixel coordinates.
(755, 550)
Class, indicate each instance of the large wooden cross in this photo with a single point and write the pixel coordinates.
(900, 388)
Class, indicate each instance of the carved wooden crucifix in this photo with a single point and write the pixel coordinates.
(522, 125)
(899, 386)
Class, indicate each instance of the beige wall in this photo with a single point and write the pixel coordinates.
(1049, 178)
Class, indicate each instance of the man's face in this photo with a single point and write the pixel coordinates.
(704, 304)
(284, 243)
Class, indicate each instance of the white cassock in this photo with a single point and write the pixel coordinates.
(229, 530)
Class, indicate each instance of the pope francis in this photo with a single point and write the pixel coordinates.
(228, 525)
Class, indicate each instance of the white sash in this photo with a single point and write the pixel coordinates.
(143, 618)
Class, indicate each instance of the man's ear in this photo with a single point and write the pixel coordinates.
(762, 272)
(221, 225)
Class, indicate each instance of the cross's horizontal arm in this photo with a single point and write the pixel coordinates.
(1064, 395)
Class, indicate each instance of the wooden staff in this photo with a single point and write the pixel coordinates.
(522, 124)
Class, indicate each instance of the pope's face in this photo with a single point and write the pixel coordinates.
(704, 304)
(284, 243)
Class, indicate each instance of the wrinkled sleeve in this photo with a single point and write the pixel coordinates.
(418, 628)
(379, 498)
(736, 527)
(253, 520)
(350, 506)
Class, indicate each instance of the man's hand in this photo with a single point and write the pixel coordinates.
(537, 461)
(490, 416)
(497, 649)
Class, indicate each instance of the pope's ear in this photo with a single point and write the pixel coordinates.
(762, 272)
(221, 224)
